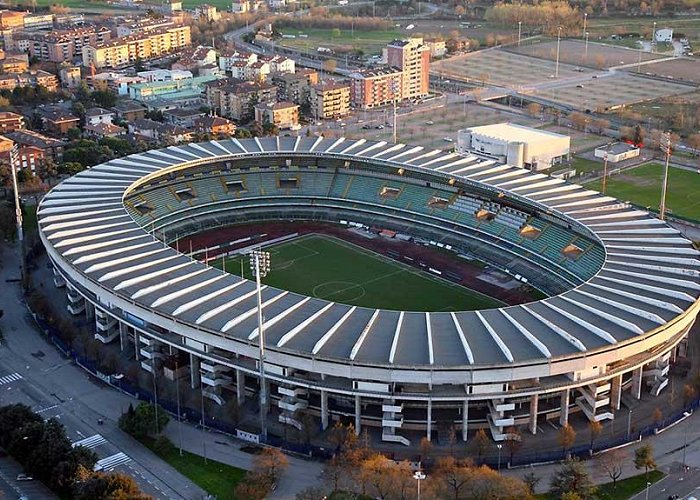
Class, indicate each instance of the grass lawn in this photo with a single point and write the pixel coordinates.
(642, 186)
(624, 489)
(367, 41)
(582, 166)
(29, 217)
(214, 477)
(331, 269)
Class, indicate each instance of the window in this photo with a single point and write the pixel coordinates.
(389, 192)
(288, 183)
(235, 186)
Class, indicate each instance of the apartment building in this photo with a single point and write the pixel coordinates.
(61, 46)
(14, 64)
(330, 100)
(295, 87)
(127, 50)
(283, 114)
(234, 99)
(10, 19)
(376, 87)
(29, 79)
(412, 57)
(9, 122)
(143, 26)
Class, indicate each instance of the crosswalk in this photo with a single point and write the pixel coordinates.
(90, 442)
(112, 461)
(13, 377)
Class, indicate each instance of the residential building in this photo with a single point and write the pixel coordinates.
(59, 122)
(516, 145)
(129, 111)
(258, 71)
(164, 75)
(157, 131)
(235, 99)
(207, 13)
(184, 117)
(63, 45)
(376, 87)
(240, 6)
(330, 100)
(70, 76)
(195, 57)
(127, 50)
(9, 122)
(188, 87)
(38, 22)
(280, 65)
(617, 152)
(10, 19)
(143, 25)
(283, 114)
(230, 58)
(295, 87)
(29, 79)
(26, 156)
(100, 130)
(438, 48)
(50, 147)
(412, 57)
(215, 125)
(93, 116)
(15, 64)
(116, 83)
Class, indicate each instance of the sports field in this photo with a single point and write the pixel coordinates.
(332, 269)
(642, 186)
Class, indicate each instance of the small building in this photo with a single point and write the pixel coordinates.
(207, 13)
(15, 64)
(9, 122)
(215, 125)
(59, 122)
(283, 114)
(438, 48)
(240, 6)
(664, 35)
(617, 152)
(70, 76)
(330, 100)
(515, 145)
(129, 111)
(295, 87)
(49, 146)
(97, 115)
(100, 130)
(184, 117)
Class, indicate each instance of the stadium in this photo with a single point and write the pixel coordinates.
(542, 298)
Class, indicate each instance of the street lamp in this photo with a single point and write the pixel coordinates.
(499, 446)
(556, 69)
(629, 423)
(586, 50)
(14, 156)
(520, 30)
(260, 266)
(419, 476)
(667, 149)
(646, 495)
(685, 438)
(605, 169)
(585, 22)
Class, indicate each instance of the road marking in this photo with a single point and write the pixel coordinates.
(10, 378)
(90, 442)
(47, 409)
(112, 461)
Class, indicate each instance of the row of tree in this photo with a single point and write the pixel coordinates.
(549, 16)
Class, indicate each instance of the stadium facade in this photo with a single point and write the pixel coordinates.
(622, 285)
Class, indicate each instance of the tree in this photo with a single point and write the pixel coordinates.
(513, 442)
(252, 487)
(452, 476)
(330, 65)
(482, 442)
(270, 463)
(104, 98)
(47, 169)
(610, 463)
(638, 137)
(141, 422)
(99, 485)
(594, 429)
(657, 416)
(694, 142)
(343, 436)
(531, 480)
(534, 109)
(644, 459)
(572, 477)
(426, 446)
(566, 437)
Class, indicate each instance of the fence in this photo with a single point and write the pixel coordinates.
(194, 416)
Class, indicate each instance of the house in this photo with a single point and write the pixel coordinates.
(258, 71)
(59, 122)
(14, 64)
(193, 58)
(25, 156)
(184, 117)
(229, 58)
(215, 125)
(207, 13)
(28, 138)
(240, 6)
(234, 99)
(31, 78)
(157, 131)
(70, 76)
(116, 83)
(9, 122)
(102, 129)
(664, 35)
(282, 114)
(129, 111)
(94, 116)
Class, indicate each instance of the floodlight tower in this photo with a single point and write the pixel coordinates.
(666, 148)
(260, 266)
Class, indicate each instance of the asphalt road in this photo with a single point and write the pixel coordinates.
(34, 373)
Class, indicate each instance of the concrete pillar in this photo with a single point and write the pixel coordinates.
(534, 406)
(89, 309)
(674, 352)
(240, 387)
(194, 371)
(465, 419)
(636, 389)
(137, 345)
(324, 410)
(358, 414)
(564, 408)
(429, 421)
(123, 335)
(615, 392)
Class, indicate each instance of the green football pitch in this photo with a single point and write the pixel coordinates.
(332, 269)
(642, 186)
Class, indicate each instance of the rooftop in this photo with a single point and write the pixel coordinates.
(515, 133)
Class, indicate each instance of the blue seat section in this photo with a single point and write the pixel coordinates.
(386, 195)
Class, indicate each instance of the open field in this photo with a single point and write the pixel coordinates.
(574, 52)
(500, 67)
(642, 186)
(603, 26)
(331, 269)
(370, 42)
(609, 91)
(680, 69)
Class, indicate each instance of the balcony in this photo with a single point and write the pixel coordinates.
(292, 393)
(107, 337)
(77, 308)
(219, 381)
(292, 405)
(391, 408)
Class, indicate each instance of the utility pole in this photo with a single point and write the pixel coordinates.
(664, 187)
(605, 169)
(260, 265)
(520, 30)
(585, 22)
(18, 209)
(585, 57)
(556, 70)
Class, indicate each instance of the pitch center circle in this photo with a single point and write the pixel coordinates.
(339, 291)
